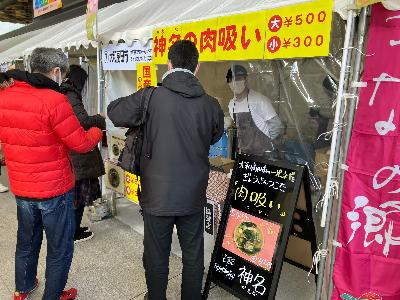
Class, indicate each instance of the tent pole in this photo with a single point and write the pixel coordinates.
(335, 146)
(362, 27)
(100, 81)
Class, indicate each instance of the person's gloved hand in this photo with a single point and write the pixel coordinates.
(101, 122)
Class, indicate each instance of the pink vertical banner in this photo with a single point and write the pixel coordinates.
(367, 266)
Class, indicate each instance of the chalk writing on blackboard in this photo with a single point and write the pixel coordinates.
(256, 168)
(228, 261)
(251, 283)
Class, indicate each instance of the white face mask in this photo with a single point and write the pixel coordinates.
(58, 78)
(237, 87)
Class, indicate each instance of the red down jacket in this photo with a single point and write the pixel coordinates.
(37, 130)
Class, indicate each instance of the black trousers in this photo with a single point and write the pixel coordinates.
(78, 217)
(157, 248)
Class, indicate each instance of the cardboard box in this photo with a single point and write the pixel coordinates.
(222, 163)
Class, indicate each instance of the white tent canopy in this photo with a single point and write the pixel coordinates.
(133, 20)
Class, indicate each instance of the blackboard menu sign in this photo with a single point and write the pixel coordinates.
(255, 226)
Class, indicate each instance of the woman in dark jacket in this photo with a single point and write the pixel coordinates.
(89, 166)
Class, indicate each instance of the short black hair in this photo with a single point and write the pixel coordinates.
(77, 76)
(239, 71)
(184, 54)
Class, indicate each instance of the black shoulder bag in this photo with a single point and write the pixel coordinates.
(129, 160)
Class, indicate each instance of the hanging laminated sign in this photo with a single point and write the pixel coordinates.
(91, 19)
(163, 39)
(41, 7)
(124, 57)
(146, 75)
(299, 31)
(132, 187)
(255, 227)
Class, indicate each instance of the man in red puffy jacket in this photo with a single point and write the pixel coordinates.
(37, 130)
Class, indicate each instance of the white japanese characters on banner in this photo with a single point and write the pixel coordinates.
(369, 227)
(124, 57)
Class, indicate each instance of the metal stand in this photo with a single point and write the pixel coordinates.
(100, 108)
(362, 26)
(113, 204)
(336, 144)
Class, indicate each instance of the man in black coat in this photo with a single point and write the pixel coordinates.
(182, 122)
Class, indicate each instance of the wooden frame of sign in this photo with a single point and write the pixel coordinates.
(255, 227)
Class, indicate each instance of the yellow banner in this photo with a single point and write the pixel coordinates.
(299, 31)
(132, 184)
(146, 75)
(362, 3)
(241, 37)
(163, 39)
(294, 31)
(205, 35)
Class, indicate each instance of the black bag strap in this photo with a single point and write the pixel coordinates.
(147, 93)
(145, 100)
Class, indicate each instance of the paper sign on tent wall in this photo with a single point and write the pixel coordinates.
(41, 7)
(299, 31)
(146, 75)
(132, 184)
(124, 57)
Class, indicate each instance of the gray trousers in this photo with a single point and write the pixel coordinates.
(157, 247)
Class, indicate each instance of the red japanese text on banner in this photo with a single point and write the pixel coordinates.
(205, 35)
(163, 39)
(132, 187)
(146, 75)
(241, 37)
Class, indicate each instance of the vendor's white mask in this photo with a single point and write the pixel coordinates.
(237, 87)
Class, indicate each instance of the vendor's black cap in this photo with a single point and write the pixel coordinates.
(239, 71)
(314, 112)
